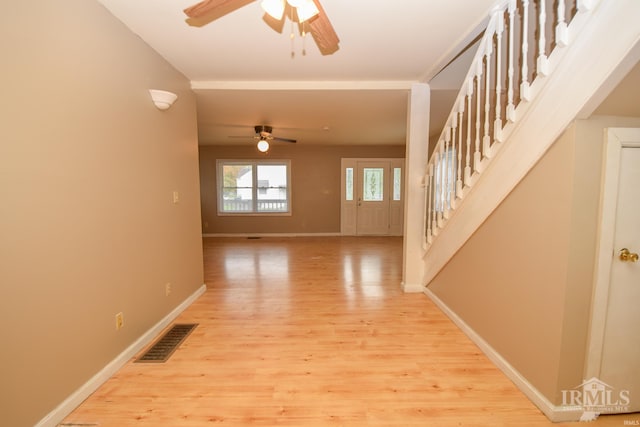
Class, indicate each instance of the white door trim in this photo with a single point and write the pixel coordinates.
(616, 139)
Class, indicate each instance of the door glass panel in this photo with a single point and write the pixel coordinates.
(372, 190)
(349, 184)
(397, 183)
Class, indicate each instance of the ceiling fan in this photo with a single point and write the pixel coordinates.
(264, 137)
(309, 12)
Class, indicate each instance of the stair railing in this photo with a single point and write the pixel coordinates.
(513, 53)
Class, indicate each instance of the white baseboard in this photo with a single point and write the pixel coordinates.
(555, 413)
(74, 400)
(271, 234)
(411, 288)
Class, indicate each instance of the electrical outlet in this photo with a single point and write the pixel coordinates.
(167, 289)
(119, 321)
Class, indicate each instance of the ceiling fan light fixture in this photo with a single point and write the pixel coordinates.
(274, 8)
(306, 10)
(263, 145)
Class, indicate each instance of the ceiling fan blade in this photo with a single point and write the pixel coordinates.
(323, 32)
(275, 138)
(214, 9)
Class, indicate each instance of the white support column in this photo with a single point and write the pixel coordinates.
(416, 158)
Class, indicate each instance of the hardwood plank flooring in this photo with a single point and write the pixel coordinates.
(314, 332)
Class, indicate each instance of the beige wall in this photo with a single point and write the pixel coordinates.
(315, 177)
(524, 280)
(87, 170)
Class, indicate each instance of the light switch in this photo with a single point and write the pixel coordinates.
(176, 197)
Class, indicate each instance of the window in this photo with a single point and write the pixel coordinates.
(349, 184)
(444, 180)
(254, 187)
(397, 184)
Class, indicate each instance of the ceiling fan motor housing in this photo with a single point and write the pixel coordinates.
(263, 133)
(263, 128)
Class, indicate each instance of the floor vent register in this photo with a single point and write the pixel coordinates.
(162, 349)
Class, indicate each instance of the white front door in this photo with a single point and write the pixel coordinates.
(614, 347)
(621, 347)
(373, 199)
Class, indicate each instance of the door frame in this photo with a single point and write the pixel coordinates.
(616, 140)
(348, 213)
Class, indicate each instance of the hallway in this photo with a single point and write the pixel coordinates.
(314, 331)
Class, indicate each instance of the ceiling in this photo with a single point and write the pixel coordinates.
(243, 73)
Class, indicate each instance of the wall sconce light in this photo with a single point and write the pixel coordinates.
(162, 99)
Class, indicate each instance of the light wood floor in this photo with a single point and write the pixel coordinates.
(314, 332)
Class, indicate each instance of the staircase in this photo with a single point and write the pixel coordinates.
(540, 65)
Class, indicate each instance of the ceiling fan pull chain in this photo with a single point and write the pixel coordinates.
(292, 35)
(304, 39)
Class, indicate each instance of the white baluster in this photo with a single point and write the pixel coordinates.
(443, 182)
(511, 110)
(431, 221)
(467, 167)
(585, 5)
(543, 60)
(458, 125)
(450, 136)
(438, 190)
(486, 139)
(525, 92)
(426, 223)
(476, 153)
(445, 176)
(562, 30)
(497, 127)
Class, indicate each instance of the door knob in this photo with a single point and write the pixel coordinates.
(625, 255)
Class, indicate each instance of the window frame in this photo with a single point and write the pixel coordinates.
(255, 189)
